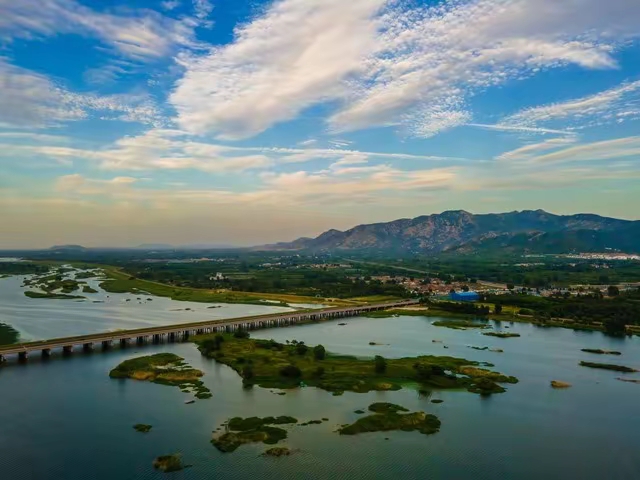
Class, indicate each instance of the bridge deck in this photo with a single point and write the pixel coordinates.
(178, 328)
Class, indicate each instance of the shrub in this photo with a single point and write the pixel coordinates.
(380, 364)
(290, 371)
(319, 352)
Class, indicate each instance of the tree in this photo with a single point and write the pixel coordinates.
(510, 286)
(465, 288)
(241, 333)
(380, 364)
(247, 372)
(497, 309)
(319, 352)
(301, 348)
(613, 291)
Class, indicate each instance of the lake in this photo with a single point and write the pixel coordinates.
(66, 419)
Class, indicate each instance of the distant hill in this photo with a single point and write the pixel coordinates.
(155, 246)
(67, 247)
(458, 231)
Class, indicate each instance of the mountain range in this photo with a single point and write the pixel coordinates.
(458, 231)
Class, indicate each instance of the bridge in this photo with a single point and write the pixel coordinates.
(172, 333)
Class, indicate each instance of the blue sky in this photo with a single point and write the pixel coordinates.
(244, 122)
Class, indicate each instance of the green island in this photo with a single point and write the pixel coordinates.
(496, 350)
(629, 380)
(459, 324)
(164, 369)
(277, 452)
(240, 431)
(608, 366)
(55, 296)
(600, 351)
(142, 428)
(501, 334)
(270, 364)
(169, 463)
(387, 418)
(8, 334)
(88, 289)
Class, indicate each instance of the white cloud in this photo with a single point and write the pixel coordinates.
(388, 62)
(77, 183)
(296, 55)
(32, 100)
(35, 137)
(170, 4)
(616, 104)
(519, 128)
(529, 151)
(604, 150)
(156, 149)
(202, 9)
(139, 35)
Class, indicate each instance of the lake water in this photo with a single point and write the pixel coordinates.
(66, 419)
(43, 318)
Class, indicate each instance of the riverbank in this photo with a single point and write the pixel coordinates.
(501, 317)
(120, 282)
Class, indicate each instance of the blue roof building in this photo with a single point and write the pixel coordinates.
(464, 296)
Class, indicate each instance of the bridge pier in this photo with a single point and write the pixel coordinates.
(22, 356)
(124, 342)
(46, 352)
(67, 349)
(106, 344)
(172, 337)
(87, 347)
(140, 340)
(156, 339)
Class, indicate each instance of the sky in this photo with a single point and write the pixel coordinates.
(248, 122)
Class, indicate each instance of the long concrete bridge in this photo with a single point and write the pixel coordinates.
(182, 331)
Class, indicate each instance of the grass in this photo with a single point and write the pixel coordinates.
(164, 369)
(270, 364)
(388, 419)
(168, 463)
(120, 282)
(88, 289)
(608, 366)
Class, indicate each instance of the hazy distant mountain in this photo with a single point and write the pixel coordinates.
(463, 232)
(67, 247)
(196, 246)
(155, 246)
